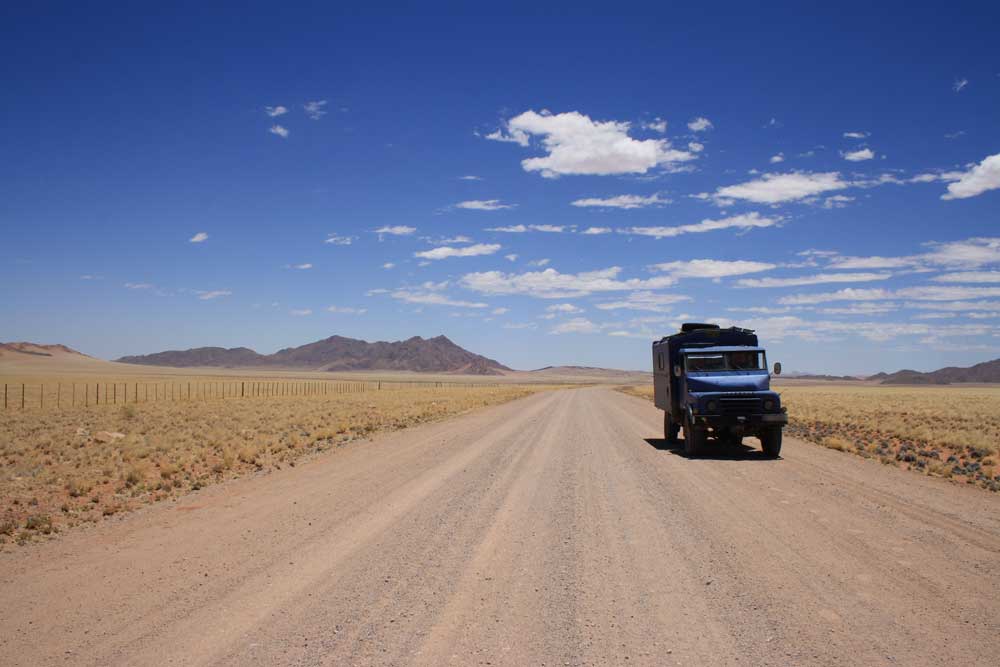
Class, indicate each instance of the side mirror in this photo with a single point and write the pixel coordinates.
(677, 371)
(777, 368)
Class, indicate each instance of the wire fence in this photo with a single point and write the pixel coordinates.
(25, 396)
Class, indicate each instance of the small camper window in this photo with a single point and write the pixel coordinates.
(659, 360)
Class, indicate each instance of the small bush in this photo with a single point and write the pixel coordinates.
(838, 443)
(39, 522)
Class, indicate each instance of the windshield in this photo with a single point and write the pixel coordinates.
(726, 361)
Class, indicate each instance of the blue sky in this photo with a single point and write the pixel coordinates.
(552, 186)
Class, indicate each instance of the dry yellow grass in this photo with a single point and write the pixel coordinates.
(64, 467)
(948, 431)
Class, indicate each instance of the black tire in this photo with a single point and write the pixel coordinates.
(770, 441)
(670, 428)
(694, 439)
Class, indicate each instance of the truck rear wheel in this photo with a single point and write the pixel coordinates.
(770, 441)
(670, 428)
(694, 439)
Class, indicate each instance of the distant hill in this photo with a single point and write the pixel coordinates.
(337, 353)
(819, 376)
(37, 350)
(988, 371)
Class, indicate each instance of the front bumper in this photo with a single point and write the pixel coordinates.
(722, 421)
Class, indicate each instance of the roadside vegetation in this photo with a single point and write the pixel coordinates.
(71, 466)
(951, 432)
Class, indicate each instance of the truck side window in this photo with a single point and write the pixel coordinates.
(659, 360)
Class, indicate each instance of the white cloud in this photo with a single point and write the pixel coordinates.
(564, 308)
(982, 177)
(509, 229)
(206, 295)
(656, 125)
(540, 262)
(550, 284)
(960, 85)
(315, 109)
(765, 310)
(874, 262)
(520, 229)
(300, 312)
(339, 240)
(863, 308)
(622, 201)
(575, 325)
(388, 265)
(775, 159)
(856, 135)
(592, 231)
(711, 268)
(924, 293)
(777, 188)
(456, 239)
(347, 310)
(512, 257)
(644, 300)
(837, 201)
(700, 124)
(139, 285)
(520, 325)
(578, 145)
(470, 178)
(969, 277)
(483, 205)
(395, 230)
(275, 111)
(955, 306)
(818, 279)
(969, 252)
(745, 221)
(301, 267)
(280, 131)
(695, 147)
(198, 238)
(433, 298)
(500, 311)
(859, 155)
(444, 252)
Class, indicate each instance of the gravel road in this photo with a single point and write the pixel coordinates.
(553, 530)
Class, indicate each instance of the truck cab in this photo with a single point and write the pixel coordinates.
(714, 383)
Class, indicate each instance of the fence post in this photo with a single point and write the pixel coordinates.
(243, 388)
(116, 393)
(4, 395)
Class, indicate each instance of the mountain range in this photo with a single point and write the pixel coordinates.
(988, 371)
(337, 353)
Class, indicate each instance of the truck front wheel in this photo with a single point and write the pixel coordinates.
(670, 428)
(770, 440)
(694, 439)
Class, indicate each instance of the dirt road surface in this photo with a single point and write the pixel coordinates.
(554, 530)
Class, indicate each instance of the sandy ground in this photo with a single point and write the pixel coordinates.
(554, 530)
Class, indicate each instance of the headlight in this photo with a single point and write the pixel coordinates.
(711, 406)
(769, 405)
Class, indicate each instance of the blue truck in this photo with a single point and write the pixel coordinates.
(714, 382)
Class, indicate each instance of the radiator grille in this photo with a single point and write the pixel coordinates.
(739, 406)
